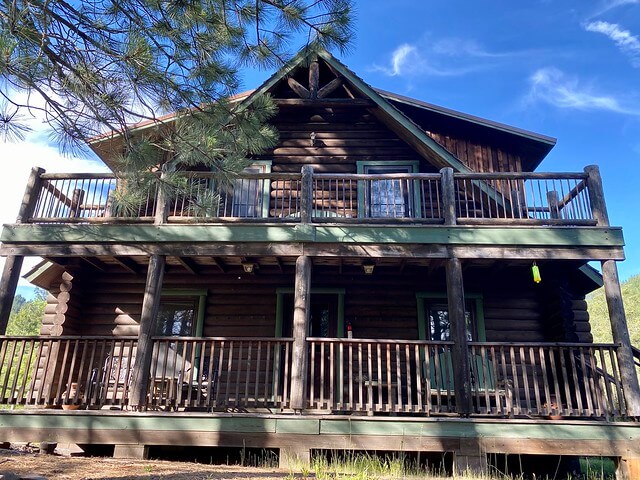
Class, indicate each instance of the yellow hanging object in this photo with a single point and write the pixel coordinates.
(536, 273)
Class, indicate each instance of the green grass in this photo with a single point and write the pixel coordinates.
(365, 466)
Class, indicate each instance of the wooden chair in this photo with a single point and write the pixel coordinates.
(483, 381)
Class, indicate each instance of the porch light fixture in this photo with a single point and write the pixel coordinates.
(249, 267)
(368, 268)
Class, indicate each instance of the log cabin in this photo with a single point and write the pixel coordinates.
(392, 275)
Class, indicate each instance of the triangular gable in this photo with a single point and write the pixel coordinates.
(395, 120)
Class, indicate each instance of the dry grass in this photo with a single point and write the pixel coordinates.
(85, 468)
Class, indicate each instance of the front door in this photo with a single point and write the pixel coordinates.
(323, 323)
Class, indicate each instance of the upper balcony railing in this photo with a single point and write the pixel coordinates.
(441, 198)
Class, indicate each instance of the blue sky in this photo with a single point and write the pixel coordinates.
(567, 69)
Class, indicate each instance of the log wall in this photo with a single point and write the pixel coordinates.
(379, 306)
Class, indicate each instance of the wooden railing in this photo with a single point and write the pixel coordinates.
(65, 371)
(551, 379)
(377, 197)
(379, 376)
(569, 380)
(540, 380)
(534, 198)
(493, 198)
(226, 373)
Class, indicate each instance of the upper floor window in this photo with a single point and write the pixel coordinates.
(387, 197)
(250, 197)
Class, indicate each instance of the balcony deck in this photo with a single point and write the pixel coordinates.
(404, 215)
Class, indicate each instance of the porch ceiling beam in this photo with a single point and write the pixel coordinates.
(279, 264)
(95, 263)
(189, 265)
(128, 264)
(320, 250)
(219, 264)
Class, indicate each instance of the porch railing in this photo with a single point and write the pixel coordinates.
(211, 373)
(65, 371)
(551, 379)
(561, 379)
(493, 198)
(379, 376)
(570, 380)
(540, 198)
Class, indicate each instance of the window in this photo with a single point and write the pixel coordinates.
(387, 198)
(433, 317)
(251, 196)
(181, 314)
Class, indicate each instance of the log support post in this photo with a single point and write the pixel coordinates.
(620, 331)
(301, 313)
(554, 204)
(460, 348)
(306, 194)
(448, 196)
(144, 353)
(615, 305)
(13, 263)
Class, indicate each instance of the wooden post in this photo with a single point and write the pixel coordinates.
(314, 79)
(8, 285)
(13, 263)
(554, 204)
(162, 204)
(620, 331)
(150, 305)
(76, 200)
(306, 194)
(448, 196)
(596, 195)
(460, 349)
(301, 313)
(615, 305)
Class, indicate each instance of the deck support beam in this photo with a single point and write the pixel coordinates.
(460, 349)
(150, 307)
(620, 331)
(615, 305)
(8, 285)
(301, 313)
(13, 263)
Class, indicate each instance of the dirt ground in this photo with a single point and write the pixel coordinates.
(55, 467)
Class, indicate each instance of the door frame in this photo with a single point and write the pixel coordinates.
(339, 292)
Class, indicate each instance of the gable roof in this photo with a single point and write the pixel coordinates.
(393, 118)
(405, 116)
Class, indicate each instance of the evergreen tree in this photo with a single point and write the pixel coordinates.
(102, 65)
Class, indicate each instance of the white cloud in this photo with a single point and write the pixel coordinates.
(624, 40)
(552, 86)
(610, 5)
(404, 60)
(460, 47)
(410, 60)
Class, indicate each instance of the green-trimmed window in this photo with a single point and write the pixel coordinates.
(433, 317)
(251, 196)
(181, 313)
(388, 198)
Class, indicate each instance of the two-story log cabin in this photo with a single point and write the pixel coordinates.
(393, 275)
